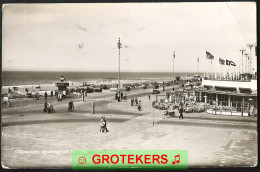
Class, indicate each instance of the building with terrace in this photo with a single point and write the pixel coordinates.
(227, 97)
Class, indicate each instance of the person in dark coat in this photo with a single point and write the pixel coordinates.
(181, 112)
(51, 93)
(132, 101)
(136, 101)
(37, 96)
(45, 105)
(45, 95)
(56, 94)
(104, 123)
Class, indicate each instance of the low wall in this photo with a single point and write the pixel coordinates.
(218, 112)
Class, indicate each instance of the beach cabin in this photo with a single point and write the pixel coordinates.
(62, 86)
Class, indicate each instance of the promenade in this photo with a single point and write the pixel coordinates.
(36, 140)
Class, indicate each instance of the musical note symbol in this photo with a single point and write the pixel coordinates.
(178, 160)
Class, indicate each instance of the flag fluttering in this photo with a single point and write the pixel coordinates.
(209, 56)
(229, 62)
(221, 61)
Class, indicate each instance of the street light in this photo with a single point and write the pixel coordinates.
(173, 65)
(250, 46)
(246, 54)
(242, 50)
(205, 102)
(119, 45)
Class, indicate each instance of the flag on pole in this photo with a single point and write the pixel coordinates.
(232, 63)
(229, 62)
(209, 56)
(221, 61)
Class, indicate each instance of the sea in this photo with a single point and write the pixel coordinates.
(11, 78)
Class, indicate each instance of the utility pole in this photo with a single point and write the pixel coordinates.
(173, 65)
(119, 45)
(250, 59)
(211, 70)
(198, 60)
(242, 50)
(246, 54)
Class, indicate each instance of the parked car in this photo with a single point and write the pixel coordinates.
(144, 86)
(132, 85)
(137, 85)
(97, 89)
(113, 89)
(156, 91)
(104, 87)
(156, 86)
(127, 88)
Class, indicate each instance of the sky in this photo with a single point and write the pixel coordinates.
(83, 37)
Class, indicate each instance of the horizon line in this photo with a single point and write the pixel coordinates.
(97, 71)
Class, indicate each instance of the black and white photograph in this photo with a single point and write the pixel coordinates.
(129, 76)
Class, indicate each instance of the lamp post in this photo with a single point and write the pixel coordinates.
(242, 50)
(173, 65)
(198, 65)
(246, 71)
(119, 45)
(205, 102)
(250, 46)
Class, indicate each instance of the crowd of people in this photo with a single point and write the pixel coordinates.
(136, 102)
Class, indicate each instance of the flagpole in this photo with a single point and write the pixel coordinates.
(173, 65)
(242, 50)
(197, 65)
(221, 71)
(211, 70)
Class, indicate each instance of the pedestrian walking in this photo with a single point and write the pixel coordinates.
(51, 93)
(136, 101)
(181, 112)
(60, 97)
(103, 126)
(251, 111)
(45, 106)
(132, 101)
(37, 96)
(116, 96)
(83, 96)
(45, 95)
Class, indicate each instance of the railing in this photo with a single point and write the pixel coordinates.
(247, 77)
